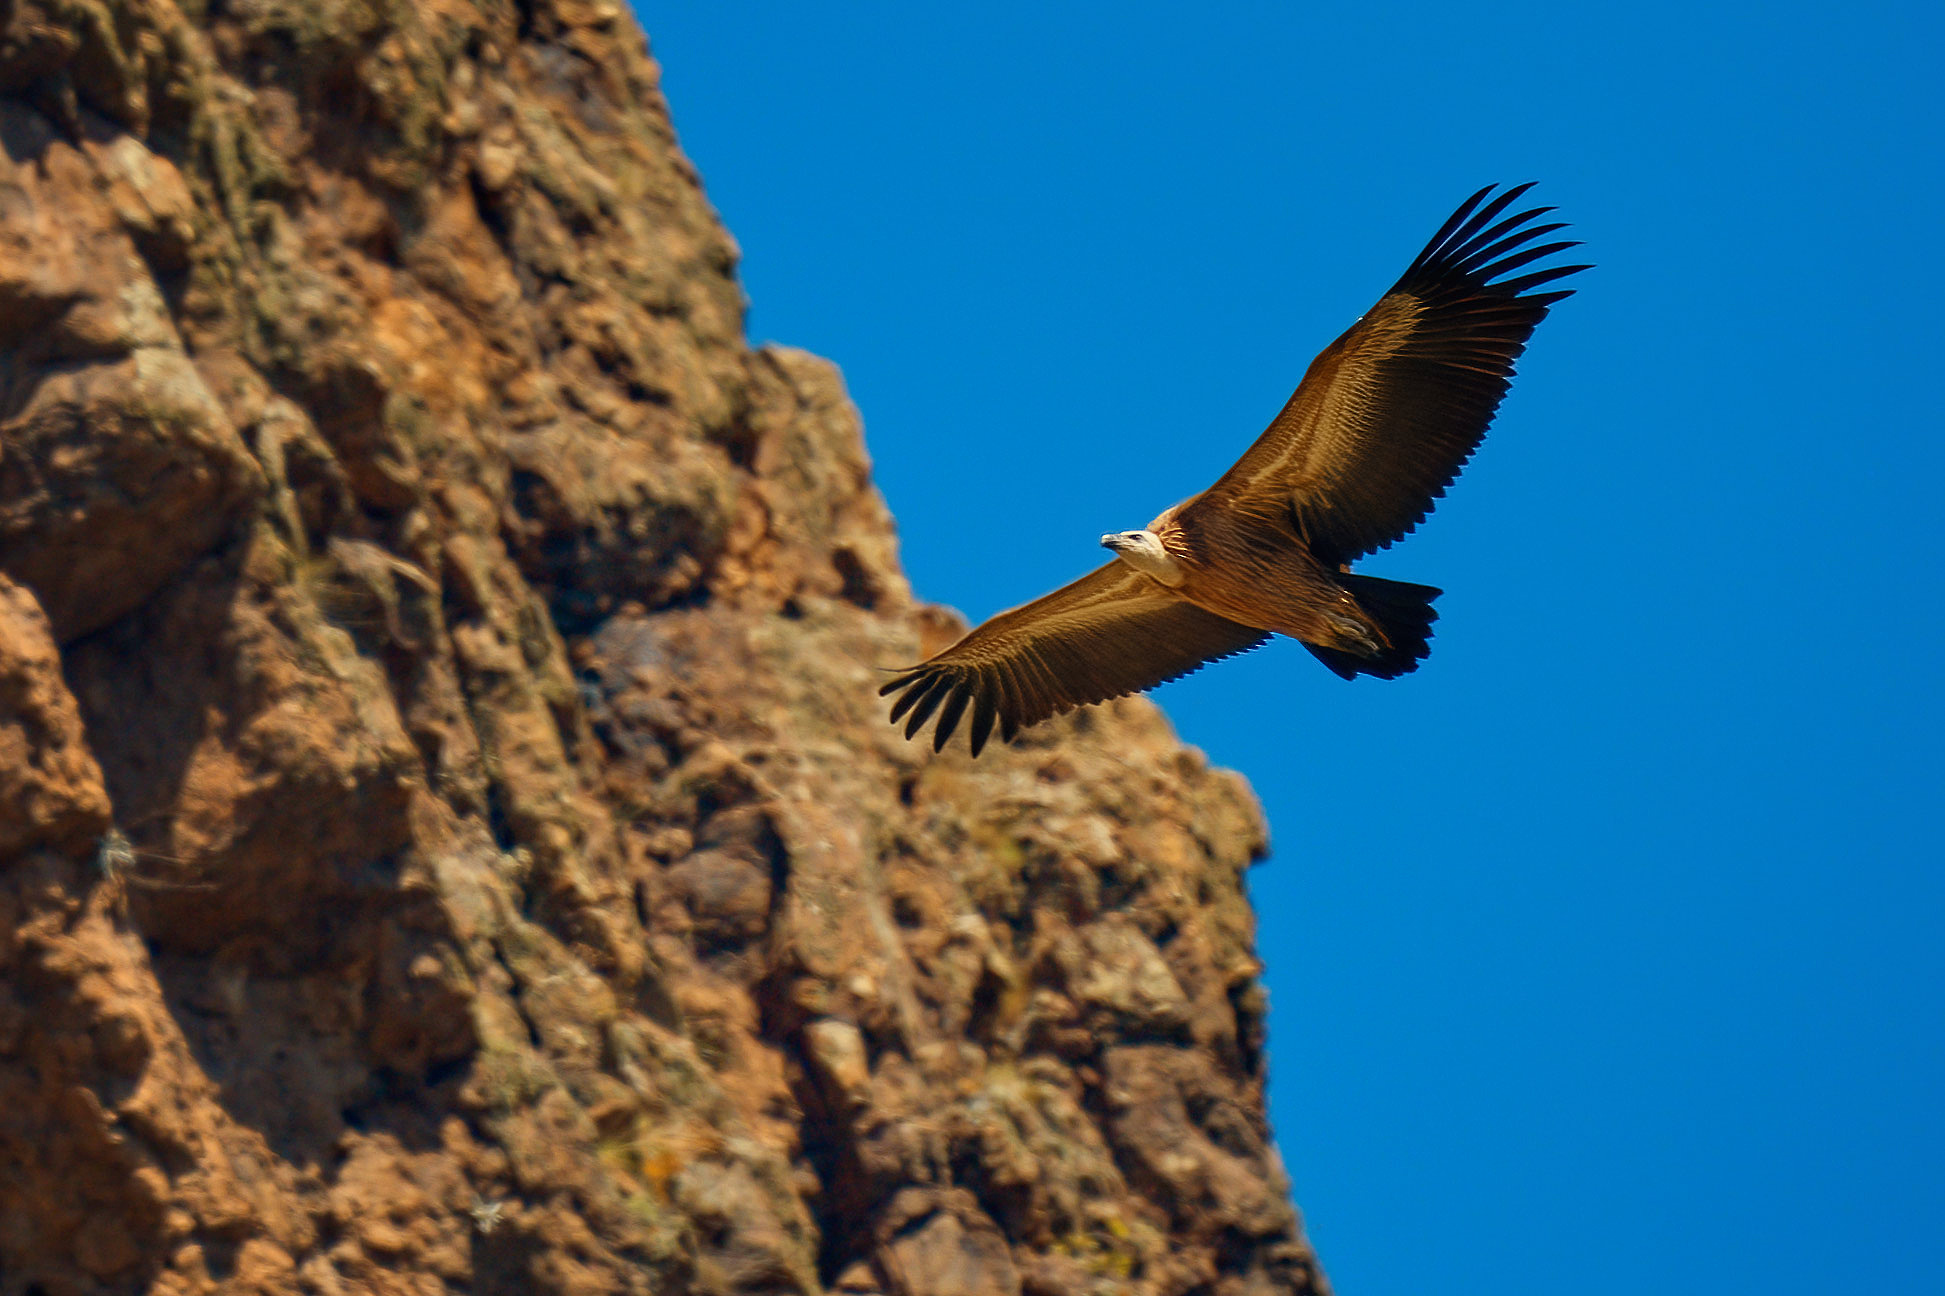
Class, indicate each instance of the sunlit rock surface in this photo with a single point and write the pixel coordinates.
(449, 839)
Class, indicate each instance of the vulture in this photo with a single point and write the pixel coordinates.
(1381, 424)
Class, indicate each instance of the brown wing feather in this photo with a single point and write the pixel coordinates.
(1110, 633)
(1388, 414)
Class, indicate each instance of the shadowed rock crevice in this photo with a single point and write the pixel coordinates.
(449, 839)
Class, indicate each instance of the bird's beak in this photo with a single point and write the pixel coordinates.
(1108, 541)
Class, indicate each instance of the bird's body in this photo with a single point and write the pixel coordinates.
(1255, 575)
(1381, 424)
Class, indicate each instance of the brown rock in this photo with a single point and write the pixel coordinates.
(836, 1051)
(50, 786)
(1123, 973)
(103, 1247)
(950, 1253)
(117, 464)
(728, 897)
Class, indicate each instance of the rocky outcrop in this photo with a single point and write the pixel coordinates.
(449, 839)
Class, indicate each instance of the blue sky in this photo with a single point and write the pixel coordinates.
(1606, 950)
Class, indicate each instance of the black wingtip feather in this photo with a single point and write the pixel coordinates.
(1539, 277)
(949, 718)
(1453, 221)
(1475, 245)
(1505, 232)
(1545, 301)
(924, 685)
(985, 711)
(1470, 231)
(935, 693)
(1484, 263)
(1508, 264)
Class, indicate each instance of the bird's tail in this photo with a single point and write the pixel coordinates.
(1403, 611)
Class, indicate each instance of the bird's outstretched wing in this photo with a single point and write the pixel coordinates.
(1389, 412)
(1109, 633)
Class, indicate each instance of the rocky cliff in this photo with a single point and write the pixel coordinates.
(449, 839)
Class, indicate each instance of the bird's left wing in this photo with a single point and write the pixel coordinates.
(1109, 633)
(1389, 412)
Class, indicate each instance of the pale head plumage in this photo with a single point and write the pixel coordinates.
(1143, 551)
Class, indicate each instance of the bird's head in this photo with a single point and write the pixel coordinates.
(1144, 551)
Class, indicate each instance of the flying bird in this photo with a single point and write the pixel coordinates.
(1381, 424)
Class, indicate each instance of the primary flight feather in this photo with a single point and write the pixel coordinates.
(1381, 424)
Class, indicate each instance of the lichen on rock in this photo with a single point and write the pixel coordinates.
(448, 834)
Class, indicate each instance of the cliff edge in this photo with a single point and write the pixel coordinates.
(449, 839)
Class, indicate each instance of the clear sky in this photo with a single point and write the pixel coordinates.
(1605, 952)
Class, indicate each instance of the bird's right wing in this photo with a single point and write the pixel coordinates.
(1110, 633)
(1389, 412)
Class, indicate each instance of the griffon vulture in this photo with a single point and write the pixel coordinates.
(1380, 425)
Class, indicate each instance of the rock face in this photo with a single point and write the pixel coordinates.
(449, 839)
